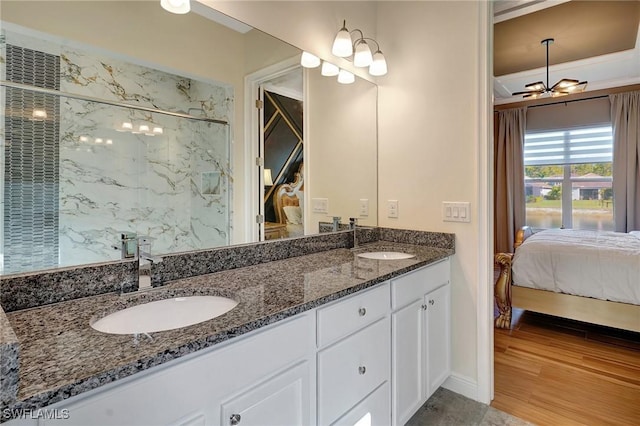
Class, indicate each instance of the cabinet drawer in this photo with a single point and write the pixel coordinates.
(351, 369)
(348, 315)
(416, 284)
(375, 410)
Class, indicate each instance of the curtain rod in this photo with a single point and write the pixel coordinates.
(107, 102)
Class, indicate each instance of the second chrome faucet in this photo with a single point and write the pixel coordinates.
(145, 260)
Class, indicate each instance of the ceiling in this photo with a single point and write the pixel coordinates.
(596, 41)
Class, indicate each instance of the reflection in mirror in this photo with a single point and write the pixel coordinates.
(116, 139)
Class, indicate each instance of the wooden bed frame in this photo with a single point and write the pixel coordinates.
(286, 194)
(603, 312)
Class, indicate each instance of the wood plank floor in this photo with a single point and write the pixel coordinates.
(552, 371)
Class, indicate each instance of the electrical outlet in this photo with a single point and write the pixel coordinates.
(392, 208)
(364, 207)
(320, 205)
(455, 211)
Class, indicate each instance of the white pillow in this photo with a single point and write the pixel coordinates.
(293, 214)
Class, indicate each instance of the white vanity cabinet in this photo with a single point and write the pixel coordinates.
(370, 358)
(354, 359)
(261, 379)
(421, 329)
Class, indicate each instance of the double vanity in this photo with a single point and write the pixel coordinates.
(333, 336)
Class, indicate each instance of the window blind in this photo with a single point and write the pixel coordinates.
(569, 146)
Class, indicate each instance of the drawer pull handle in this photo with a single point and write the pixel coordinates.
(431, 302)
(362, 312)
(235, 419)
(362, 369)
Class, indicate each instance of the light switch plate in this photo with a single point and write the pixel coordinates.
(456, 211)
(364, 207)
(320, 205)
(392, 208)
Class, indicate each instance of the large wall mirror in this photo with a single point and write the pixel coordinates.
(121, 118)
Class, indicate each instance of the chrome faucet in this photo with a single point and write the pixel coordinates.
(145, 259)
(336, 223)
(353, 222)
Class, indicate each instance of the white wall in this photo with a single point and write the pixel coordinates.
(428, 140)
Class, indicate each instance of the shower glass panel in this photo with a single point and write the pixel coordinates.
(113, 169)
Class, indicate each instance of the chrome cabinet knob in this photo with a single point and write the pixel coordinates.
(362, 369)
(362, 312)
(235, 419)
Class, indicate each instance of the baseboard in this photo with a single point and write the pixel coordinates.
(465, 386)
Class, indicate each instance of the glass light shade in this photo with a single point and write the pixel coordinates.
(176, 6)
(345, 77)
(378, 66)
(143, 128)
(158, 130)
(329, 70)
(342, 44)
(309, 60)
(126, 126)
(98, 140)
(362, 57)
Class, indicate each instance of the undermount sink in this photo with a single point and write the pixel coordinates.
(386, 255)
(166, 314)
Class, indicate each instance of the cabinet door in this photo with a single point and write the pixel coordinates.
(374, 410)
(408, 361)
(280, 400)
(438, 337)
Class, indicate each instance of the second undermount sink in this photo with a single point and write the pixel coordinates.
(386, 255)
(166, 314)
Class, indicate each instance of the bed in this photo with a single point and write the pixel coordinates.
(288, 203)
(588, 276)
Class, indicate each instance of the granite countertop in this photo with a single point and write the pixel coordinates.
(62, 356)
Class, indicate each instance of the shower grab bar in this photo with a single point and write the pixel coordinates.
(105, 101)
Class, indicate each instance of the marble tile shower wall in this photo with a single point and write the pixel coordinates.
(174, 186)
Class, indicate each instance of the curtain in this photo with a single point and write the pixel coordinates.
(508, 159)
(625, 119)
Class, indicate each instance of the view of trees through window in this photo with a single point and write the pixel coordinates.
(568, 179)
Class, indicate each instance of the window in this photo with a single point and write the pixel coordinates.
(568, 180)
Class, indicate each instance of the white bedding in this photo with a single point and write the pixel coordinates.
(603, 265)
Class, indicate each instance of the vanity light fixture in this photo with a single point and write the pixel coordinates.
(378, 65)
(143, 128)
(363, 56)
(179, 7)
(344, 46)
(309, 60)
(329, 70)
(346, 77)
